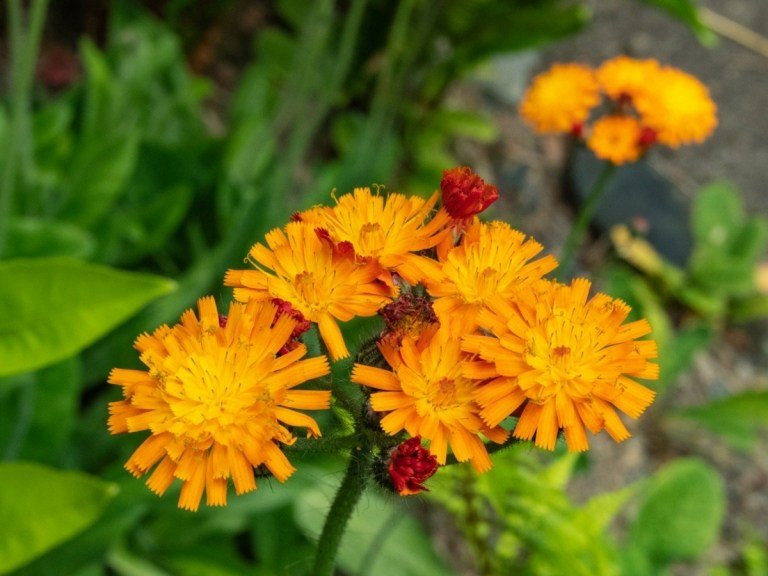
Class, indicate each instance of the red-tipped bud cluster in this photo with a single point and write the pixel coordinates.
(410, 465)
(465, 194)
(409, 315)
(285, 308)
(648, 137)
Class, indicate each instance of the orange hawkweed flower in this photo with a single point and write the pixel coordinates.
(385, 229)
(561, 98)
(679, 108)
(318, 281)
(567, 361)
(491, 260)
(216, 400)
(623, 78)
(617, 139)
(427, 395)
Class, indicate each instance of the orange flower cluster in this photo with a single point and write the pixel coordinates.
(474, 334)
(643, 103)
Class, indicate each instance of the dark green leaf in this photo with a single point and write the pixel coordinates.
(46, 413)
(41, 507)
(681, 513)
(32, 238)
(52, 308)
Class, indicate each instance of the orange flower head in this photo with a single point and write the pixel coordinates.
(426, 394)
(624, 78)
(617, 139)
(387, 230)
(466, 194)
(679, 108)
(491, 260)
(561, 98)
(568, 361)
(216, 400)
(320, 282)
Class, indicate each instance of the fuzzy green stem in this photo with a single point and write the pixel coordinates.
(576, 236)
(352, 487)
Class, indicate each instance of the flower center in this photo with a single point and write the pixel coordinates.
(372, 238)
(444, 395)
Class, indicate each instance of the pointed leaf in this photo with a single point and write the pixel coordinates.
(52, 308)
(41, 507)
(737, 418)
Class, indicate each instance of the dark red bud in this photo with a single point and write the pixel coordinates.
(465, 194)
(410, 465)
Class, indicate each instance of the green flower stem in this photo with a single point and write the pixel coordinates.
(576, 236)
(352, 487)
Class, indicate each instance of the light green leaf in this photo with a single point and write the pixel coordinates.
(737, 418)
(52, 308)
(681, 514)
(376, 539)
(717, 212)
(41, 507)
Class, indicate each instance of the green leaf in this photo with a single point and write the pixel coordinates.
(98, 174)
(738, 418)
(717, 212)
(41, 507)
(33, 237)
(52, 308)
(380, 540)
(44, 413)
(681, 514)
(686, 12)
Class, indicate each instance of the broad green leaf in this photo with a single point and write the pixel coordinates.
(380, 539)
(717, 213)
(52, 308)
(681, 513)
(737, 418)
(33, 238)
(41, 507)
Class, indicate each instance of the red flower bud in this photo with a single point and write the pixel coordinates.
(408, 315)
(410, 465)
(648, 137)
(466, 194)
(285, 308)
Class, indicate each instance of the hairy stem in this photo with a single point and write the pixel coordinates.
(352, 487)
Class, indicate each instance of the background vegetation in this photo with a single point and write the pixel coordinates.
(144, 146)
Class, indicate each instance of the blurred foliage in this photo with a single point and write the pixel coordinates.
(127, 171)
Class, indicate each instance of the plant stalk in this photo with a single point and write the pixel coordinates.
(587, 212)
(352, 487)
